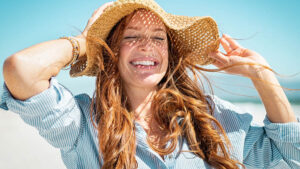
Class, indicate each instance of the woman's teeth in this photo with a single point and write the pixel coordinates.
(144, 63)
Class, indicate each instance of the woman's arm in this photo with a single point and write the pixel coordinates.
(274, 99)
(27, 72)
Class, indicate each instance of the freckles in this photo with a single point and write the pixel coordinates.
(163, 49)
(164, 52)
(129, 43)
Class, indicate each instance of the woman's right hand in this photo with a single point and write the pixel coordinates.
(94, 17)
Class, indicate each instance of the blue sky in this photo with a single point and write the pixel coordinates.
(272, 25)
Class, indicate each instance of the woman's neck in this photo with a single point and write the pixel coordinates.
(140, 102)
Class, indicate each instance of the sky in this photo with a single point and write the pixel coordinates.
(270, 28)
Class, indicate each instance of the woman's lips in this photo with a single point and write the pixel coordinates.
(145, 63)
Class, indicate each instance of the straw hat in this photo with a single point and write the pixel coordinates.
(192, 37)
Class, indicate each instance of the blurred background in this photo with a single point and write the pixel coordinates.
(269, 27)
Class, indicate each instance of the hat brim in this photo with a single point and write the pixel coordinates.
(193, 37)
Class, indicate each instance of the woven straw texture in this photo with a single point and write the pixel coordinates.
(192, 37)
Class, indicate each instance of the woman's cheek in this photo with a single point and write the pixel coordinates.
(165, 55)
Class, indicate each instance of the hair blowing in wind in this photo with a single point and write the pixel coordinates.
(178, 96)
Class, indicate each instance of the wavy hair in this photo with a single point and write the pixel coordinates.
(179, 96)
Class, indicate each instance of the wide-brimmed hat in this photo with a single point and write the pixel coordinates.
(193, 37)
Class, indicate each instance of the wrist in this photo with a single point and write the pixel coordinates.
(82, 42)
(265, 79)
(260, 72)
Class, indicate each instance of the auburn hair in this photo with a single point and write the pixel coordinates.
(179, 96)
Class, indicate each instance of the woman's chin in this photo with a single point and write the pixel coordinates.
(146, 82)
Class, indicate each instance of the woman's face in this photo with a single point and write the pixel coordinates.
(143, 58)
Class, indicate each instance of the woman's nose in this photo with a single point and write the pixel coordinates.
(145, 44)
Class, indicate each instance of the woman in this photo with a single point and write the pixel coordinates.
(147, 112)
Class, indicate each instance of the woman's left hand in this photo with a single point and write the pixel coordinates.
(249, 63)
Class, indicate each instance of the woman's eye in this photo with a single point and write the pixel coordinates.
(159, 38)
(130, 37)
(138, 37)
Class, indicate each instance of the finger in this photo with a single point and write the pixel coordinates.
(99, 11)
(233, 44)
(225, 45)
(219, 57)
(218, 64)
(237, 52)
(102, 8)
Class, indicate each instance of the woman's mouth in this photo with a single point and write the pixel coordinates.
(144, 64)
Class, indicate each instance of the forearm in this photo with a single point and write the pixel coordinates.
(28, 71)
(273, 97)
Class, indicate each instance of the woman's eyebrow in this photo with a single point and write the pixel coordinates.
(133, 27)
(138, 28)
(159, 29)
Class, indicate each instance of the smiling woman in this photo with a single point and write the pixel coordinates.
(147, 110)
(143, 59)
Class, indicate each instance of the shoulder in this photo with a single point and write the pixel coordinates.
(82, 101)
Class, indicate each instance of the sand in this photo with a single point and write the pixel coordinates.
(22, 147)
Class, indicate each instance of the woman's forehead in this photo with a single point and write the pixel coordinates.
(145, 19)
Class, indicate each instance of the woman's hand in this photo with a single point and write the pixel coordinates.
(249, 62)
(94, 17)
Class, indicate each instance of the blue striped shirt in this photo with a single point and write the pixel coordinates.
(64, 121)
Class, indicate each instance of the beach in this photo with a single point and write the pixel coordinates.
(22, 147)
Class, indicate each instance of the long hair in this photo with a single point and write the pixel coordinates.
(178, 97)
